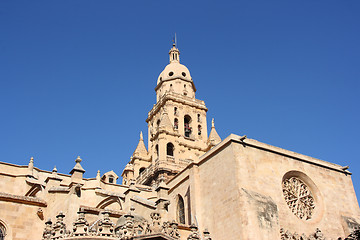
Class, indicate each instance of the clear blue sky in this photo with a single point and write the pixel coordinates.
(78, 77)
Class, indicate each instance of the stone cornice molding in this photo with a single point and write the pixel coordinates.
(176, 98)
(22, 199)
(94, 210)
(143, 201)
(266, 147)
(176, 78)
(108, 193)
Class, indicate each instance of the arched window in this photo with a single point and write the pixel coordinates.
(199, 129)
(141, 170)
(175, 111)
(176, 123)
(187, 128)
(170, 149)
(198, 118)
(157, 150)
(181, 210)
(158, 124)
(2, 232)
(111, 179)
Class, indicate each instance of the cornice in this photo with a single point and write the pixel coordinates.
(176, 98)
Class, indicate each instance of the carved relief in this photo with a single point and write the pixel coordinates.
(298, 198)
(287, 235)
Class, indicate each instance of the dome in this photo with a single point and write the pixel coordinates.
(174, 70)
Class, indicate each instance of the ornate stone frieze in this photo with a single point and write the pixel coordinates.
(287, 235)
(130, 226)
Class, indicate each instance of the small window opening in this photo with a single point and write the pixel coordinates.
(141, 170)
(187, 128)
(111, 179)
(171, 73)
(184, 74)
(158, 123)
(199, 130)
(176, 123)
(198, 118)
(78, 191)
(157, 150)
(170, 149)
(184, 85)
(2, 232)
(175, 110)
(181, 210)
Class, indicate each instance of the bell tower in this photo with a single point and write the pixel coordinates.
(177, 125)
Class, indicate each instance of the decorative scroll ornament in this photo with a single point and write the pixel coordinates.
(298, 198)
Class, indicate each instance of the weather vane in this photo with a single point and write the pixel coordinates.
(174, 41)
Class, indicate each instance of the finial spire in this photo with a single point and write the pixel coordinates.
(174, 52)
(78, 159)
(212, 123)
(141, 136)
(175, 41)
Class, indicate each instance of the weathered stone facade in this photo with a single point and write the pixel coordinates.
(187, 184)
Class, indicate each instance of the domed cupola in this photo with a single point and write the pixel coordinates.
(175, 77)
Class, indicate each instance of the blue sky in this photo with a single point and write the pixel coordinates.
(78, 77)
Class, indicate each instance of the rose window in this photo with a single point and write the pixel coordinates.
(298, 198)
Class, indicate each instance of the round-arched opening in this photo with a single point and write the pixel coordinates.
(157, 150)
(171, 73)
(176, 123)
(187, 128)
(2, 231)
(111, 179)
(199, 130)
(302, 196)
(141, 170)
(170, 149)
(180, 210)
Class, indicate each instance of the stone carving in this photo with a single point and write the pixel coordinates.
(206, 234)
(171, 229)
(48, 230)
(355, 235)
(287, 235)
(298, 198)
(194, 235)
(59, 228)
(105, 227)
(81, 225)
(155, 227)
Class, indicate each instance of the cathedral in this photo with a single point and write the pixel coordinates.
(187, 184)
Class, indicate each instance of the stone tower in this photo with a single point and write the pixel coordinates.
(177, 127)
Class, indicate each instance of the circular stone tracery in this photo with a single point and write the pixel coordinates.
(298, 198)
